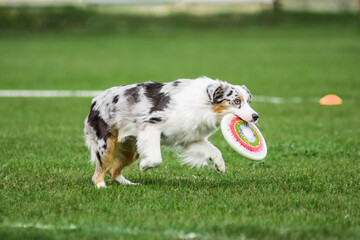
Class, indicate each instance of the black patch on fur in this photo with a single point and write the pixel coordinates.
(104, 146)
(250, 96)
(115, 99)
(176, 83)
(218, 95)
(98, 124)
(244, 87)
(132, 95)
(93, 105)
(159, 100)
(99, 158)
(155, 120)
(229, 94)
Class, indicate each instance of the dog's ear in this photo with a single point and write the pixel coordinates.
(215, 93)
(247, 90)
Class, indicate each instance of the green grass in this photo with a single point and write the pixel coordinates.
(308, 187)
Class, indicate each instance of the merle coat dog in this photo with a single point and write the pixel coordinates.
(132, 121)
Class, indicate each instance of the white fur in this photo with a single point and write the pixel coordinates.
(101, 185)
(148, 146)
(120, 179)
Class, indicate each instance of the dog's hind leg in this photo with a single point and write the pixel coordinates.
(148, 145)
(98, 170)
(104, 162)
(125, 154)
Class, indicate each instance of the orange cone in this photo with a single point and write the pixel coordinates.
(331, 99)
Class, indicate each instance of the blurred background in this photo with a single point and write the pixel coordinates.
(95, 44)
(289, 53)
(168, 6)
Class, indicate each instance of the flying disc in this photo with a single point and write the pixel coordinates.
(245, 138)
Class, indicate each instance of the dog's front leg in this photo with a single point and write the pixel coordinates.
(204, 153)
(148, 146)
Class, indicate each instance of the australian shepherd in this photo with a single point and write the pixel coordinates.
(130, 122)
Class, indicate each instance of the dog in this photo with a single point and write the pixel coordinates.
(132, 121)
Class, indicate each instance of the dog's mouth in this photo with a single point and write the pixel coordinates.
(247, 122)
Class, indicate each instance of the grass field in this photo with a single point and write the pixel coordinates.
(308, 187)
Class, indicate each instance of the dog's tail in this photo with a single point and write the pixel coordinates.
(90, 140)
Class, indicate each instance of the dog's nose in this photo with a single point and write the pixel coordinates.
(255, 117)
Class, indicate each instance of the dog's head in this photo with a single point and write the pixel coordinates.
(226, 98)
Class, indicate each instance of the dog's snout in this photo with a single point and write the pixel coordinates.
(255, 117)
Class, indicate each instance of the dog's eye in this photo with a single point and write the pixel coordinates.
(237, 101)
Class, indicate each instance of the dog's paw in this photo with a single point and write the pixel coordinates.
(217, 164)
(146, 164)
(121, 180)
(101, 185)
(219, 168)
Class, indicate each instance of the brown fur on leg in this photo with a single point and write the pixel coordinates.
(107, 160)
(125, 153)
(98, 169)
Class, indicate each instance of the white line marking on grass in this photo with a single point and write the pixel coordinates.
(88, 94)
(111, 229)
(277, 100)
(188, 236)
(47, 93)
(40, 226)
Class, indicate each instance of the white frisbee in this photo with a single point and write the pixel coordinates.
(245, 138)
